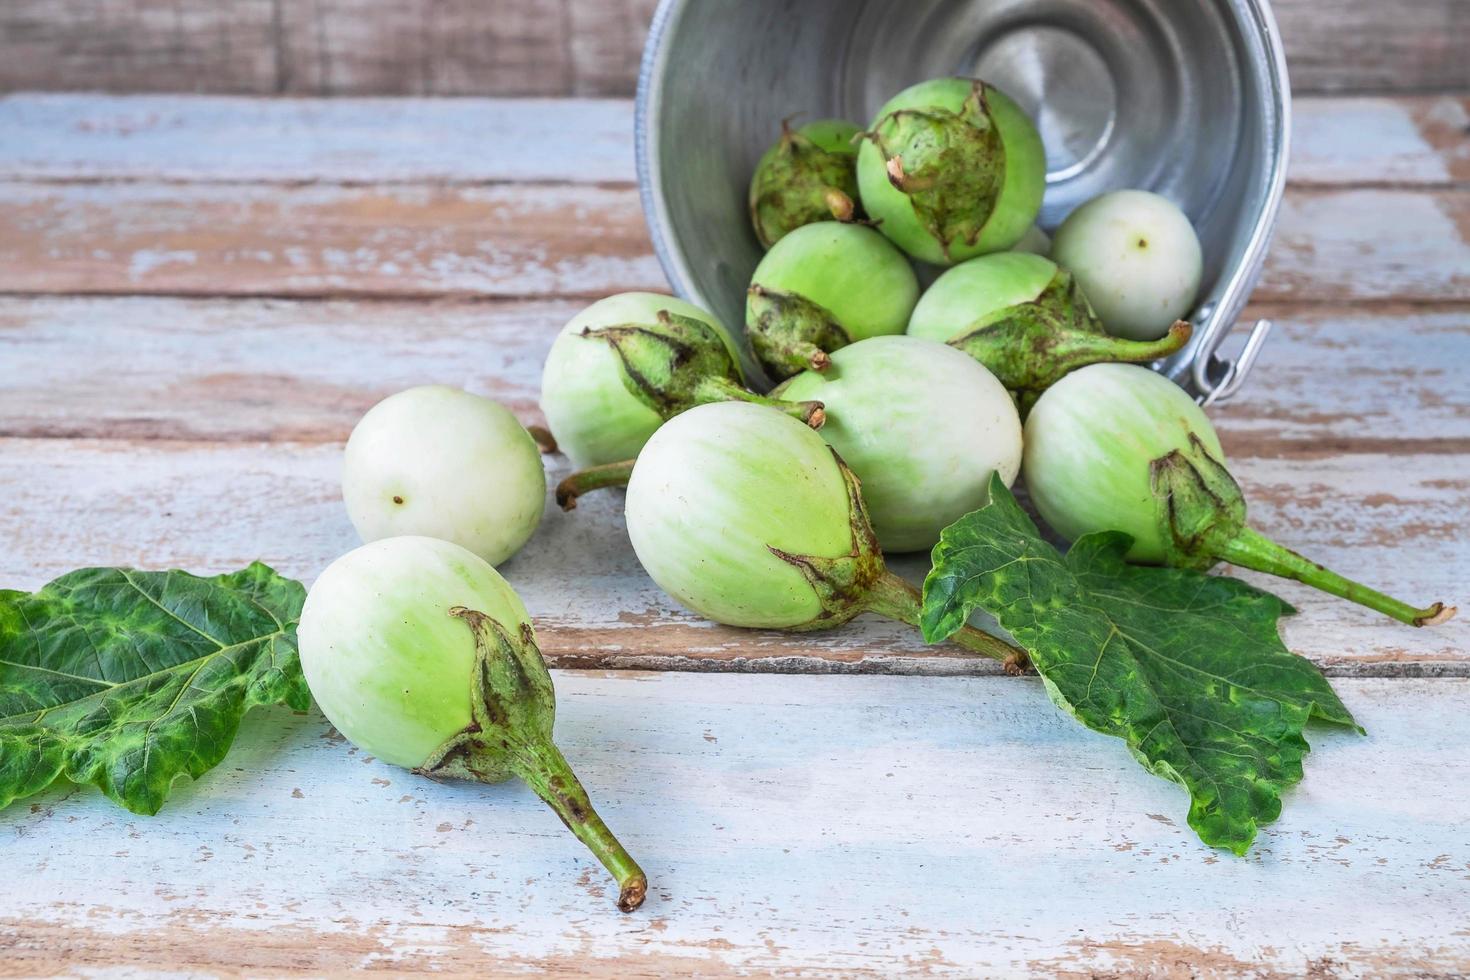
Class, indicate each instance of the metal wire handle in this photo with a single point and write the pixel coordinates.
(1217, 378)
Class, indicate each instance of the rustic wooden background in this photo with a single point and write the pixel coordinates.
(200, 294)
(554, 47)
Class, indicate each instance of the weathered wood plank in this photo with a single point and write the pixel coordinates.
(1400, 141)
(534, 240)
(459, 47)
(139, 45)
(605, 39)
(1337, 380)
(255, 369)
(1366, 46)
(455, 47)
(526, 47)
(1332, 246)
(50, 136)
(325, 47)
(1407, 141)
(249, 239)
(974, 830)
(1333, 379)
(1393, 520)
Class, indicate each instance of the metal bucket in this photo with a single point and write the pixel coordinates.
(1189, 99)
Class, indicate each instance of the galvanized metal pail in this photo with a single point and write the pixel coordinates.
(1188, 98)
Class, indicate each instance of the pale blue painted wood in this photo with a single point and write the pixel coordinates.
(58, 136)
(211, 507)
(897, 825)
(53, 136)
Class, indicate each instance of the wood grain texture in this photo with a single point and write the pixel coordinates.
(325, 47)
(1347, 380)
(250, 239)
(1420, 140)
(1415, 140)
(1363, 46)
(379, 198)
(461, 47)
(150, 368)
(330, 47)
(139, 45)
(1392, 520)
(794, 825)
(575, 47)
(172, 368)
(585, 240)
(1334, 245)
(214, 139)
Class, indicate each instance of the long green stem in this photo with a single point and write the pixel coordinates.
(891, 596)
(714, 389)
(1076, 349)
(1251, 549)
(592, 478)
(546, 771)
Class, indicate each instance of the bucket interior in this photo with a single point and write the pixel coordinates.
(1177, 98)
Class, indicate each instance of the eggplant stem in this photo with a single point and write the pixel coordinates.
(1251, 549)
(841, 206)
(1080, 349)
(715, 389)
(1135, 351)
(545, 441)
(546, 771)
(592, 478)
(891, 596)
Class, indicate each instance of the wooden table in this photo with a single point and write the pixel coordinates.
(199, 297)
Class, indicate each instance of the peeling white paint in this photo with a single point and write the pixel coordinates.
(789, 823)
(147, 260)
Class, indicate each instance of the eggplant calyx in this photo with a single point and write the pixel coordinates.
(800, 183)
(790, 333)
(1032, 345)
(1198, 506)
(842, 584)
(950, 165)
(664, 363)
(860, 581)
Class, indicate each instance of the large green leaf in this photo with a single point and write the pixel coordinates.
(1189, 669)
(128, 679)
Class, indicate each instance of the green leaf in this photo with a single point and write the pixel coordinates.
(127, 679)
(1188, 669)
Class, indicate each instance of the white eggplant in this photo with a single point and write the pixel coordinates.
(922, 425)
(442, 462)
(1137, 258)
(1116, 447)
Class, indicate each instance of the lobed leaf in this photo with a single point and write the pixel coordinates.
(1188, 669)
(127, 679)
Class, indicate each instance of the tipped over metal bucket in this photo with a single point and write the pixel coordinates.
(1186, 99)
